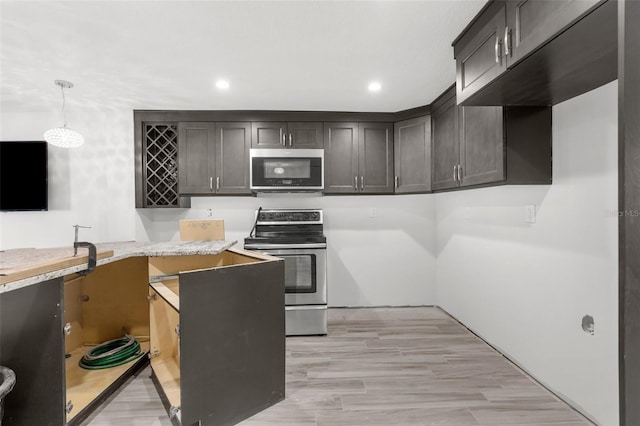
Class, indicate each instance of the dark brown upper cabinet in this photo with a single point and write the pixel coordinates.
(341, 158)
(480, 59)
(293, 135)
(444, 139)
(530, 23)
(482, 146)
(233, 140)
(213, 158)
(375, 157)
(412, 155)
(536, 52)
(358, 158)
(488, 145)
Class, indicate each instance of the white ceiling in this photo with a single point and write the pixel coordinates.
(287, 55)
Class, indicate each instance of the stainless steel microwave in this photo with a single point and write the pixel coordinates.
(287, 170)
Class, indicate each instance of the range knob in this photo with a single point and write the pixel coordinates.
(311, 216)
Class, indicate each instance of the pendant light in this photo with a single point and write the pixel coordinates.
(63, 136)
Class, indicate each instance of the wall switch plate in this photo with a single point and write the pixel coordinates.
(530, 213)
(372, 212)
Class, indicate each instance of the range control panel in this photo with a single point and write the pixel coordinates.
(286, 216)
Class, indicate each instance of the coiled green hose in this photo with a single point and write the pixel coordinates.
(111, 354)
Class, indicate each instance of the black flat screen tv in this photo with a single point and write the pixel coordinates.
(23, 176)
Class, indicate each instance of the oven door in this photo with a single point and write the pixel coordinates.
(305, 274)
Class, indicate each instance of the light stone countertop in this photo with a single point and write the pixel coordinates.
(123, 250)
(166, 248)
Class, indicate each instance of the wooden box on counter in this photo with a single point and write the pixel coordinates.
(212, 325)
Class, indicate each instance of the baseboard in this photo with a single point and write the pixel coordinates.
(576, 407)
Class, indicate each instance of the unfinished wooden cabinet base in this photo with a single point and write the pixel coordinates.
(102, 306)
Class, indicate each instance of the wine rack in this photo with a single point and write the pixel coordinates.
(161, 165)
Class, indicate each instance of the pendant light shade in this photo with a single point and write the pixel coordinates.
(63, 136)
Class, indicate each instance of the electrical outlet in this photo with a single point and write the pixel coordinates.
(530, 213)
(372, 212)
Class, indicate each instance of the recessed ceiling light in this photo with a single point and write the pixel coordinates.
(375, 86)
(222, 84)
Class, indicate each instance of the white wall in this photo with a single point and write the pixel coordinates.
(386, 260)
(91, 185)
(525, 287)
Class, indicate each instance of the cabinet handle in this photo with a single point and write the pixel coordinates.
(361, 183)
(355, 185)
(210, 183)
(459, 174)
(396, 182)
(507, 41)
(290, 139)
(497, 48)
(217, 183)
(284, 139)
(455, 173)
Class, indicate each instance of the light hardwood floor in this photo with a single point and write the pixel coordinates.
(383, 366)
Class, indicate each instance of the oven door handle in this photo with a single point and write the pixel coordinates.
(305, 307)
(284, 246)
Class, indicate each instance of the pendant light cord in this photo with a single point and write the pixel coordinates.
(64, 113)
(63, 136)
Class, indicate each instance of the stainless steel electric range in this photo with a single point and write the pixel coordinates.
(297, 236)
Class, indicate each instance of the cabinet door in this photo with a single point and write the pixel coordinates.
(482, 151)
(341, 158)
(534, 22)
(446, 150)
(412, 154)
(232, 342)
(196, 158)
(304, 135)
(233, 141)
(268, 134)
(32, 342)
(480, 57)
(375, 157)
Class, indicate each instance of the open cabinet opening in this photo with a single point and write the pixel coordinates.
(164, 345)
(99, 307)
